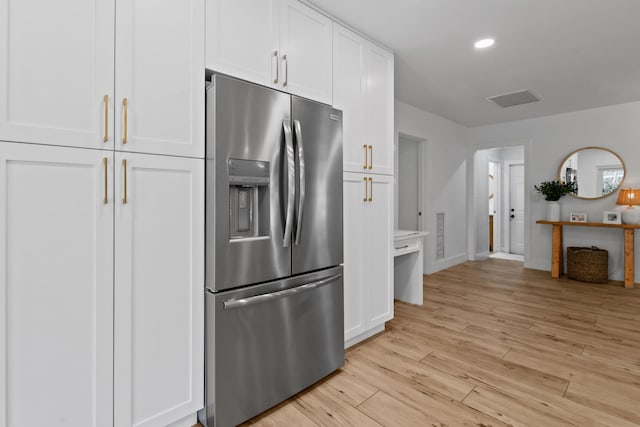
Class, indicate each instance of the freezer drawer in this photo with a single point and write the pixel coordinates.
(268, 342)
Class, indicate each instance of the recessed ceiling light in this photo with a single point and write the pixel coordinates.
(484, 43)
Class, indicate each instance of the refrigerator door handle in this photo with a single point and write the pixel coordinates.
(258, 299)
(291, 184)
(298, 129)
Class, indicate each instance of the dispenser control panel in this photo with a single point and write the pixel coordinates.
(250, 172)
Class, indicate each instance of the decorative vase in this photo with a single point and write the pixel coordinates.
(553, 211)
(631, 215)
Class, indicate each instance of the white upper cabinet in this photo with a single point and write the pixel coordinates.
(363, 90)
(350, 95)
(306, 51)
(160, 77)
(242, 39)
(58, 65)
(56, 72)
(380, 99)
(159, 306)
(56, 286)
(283, 44)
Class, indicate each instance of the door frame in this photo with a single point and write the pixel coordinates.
(507, 201)
(421, 176)
(498, 203)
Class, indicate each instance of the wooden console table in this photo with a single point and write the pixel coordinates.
(556, 246)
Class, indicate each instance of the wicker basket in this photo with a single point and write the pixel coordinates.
(588, 264)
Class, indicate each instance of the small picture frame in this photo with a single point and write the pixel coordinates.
(611, 217)
(578, 217)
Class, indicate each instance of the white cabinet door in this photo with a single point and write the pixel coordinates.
(159, 305)
(306, 47)
(56, 67)
(380, 280)
(356, 247)
(349, 95)
(160, 74)
(379, 109)
(242, 39)
(56, 286)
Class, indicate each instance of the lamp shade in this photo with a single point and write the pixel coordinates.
(629, 197)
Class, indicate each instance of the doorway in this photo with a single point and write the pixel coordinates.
(499, 198)
(409, 186)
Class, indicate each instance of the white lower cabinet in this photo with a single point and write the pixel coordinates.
(159, 298)
(86, 338)
(56, 287)
(368, 256)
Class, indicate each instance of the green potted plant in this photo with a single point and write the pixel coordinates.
(552, 192)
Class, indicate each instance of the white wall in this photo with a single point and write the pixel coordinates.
(444, 189)
(550, 140)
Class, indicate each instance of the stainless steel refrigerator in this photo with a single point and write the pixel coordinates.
(274, 288)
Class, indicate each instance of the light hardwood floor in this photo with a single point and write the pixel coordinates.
(493, 345)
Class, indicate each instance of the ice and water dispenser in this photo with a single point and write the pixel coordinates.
(248, 199)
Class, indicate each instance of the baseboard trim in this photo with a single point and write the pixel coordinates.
(363, 336)
(188, 421)
(443, 264)
(482, 256)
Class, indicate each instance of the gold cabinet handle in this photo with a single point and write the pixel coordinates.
(366, 157)
(285, 71)
(365, 189)
(370, 188)
(106, 118)
(124, 107)
(371, 157)
(275, 56)
(105, 161)
(124, 197)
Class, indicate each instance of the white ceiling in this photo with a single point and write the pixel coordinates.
(575, 54)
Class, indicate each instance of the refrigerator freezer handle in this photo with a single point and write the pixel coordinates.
(291, 184)
(298, 131)
(244, 302)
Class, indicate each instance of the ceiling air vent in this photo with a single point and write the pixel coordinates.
(515, 98)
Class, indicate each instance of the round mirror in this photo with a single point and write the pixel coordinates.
(596, 171)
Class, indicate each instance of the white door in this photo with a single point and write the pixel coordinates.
(159, 303)
(408, 184)
(306, 47)
(349, 95)
(380, 266)
(379, 109)
(56, 68)
(242, 39)
(356, 258)
(516, 209)
(56, 286)
(160, 77)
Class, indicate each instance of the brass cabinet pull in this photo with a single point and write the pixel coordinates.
(365, 189)
(370, 188)
(124, 135)
(106, 178)
(275, 55)
(106, 118)
(285, 70)
(124, 197)
(371, 157)
(366, 157)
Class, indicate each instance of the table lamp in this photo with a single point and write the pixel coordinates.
(631, 198)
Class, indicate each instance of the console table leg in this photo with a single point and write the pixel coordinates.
(628, 257)
(556, 251)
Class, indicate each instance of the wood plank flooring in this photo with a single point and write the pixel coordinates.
(493, 345)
